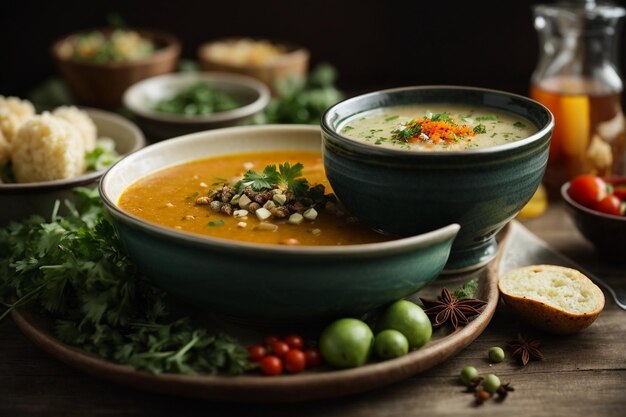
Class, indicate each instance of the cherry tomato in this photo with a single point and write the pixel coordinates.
(620, 192)
(295, 361)
(294, 341)
(313, 357)
(610, 205)
(280, 348)
(271, 365)
(269, 340)
(256, 352)
(587, 190)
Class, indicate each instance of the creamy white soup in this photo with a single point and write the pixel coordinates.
(436, 127)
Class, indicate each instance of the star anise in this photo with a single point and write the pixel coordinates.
(450, 309)
(525, 350)
(503, 390)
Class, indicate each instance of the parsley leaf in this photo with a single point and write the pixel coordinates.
(467, 290)
(102, 156)
(441, 117)
(478, 129)
(259, 182)
(487, 117)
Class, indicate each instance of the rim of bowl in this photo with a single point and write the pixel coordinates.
(292, 51)
(171, 47)
(363, 148)
(569, 200)
(366, 249)
(89, 177)
(250, 83)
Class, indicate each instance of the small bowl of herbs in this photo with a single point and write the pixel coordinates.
(180, 103)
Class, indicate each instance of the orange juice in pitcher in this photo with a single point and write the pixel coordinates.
(577, 80)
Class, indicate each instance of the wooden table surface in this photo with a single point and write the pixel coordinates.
(582, 375)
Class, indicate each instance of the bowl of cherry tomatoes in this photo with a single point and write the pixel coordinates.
(598, 207)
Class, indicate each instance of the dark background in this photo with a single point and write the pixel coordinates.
(373, 44)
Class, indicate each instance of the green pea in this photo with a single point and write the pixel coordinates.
(496, 354)
(491, 383)
(467, 374)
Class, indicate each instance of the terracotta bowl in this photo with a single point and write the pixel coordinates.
(294, 62)
(103, 84)
(18, 201)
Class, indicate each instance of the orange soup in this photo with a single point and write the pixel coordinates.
(170, 198)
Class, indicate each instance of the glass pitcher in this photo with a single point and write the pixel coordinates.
(576, 78)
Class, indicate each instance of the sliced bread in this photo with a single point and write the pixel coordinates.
(553, 298)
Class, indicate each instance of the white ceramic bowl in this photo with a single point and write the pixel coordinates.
(18, 201)
(141, 98)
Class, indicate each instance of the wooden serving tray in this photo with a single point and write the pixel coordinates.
(309, 385)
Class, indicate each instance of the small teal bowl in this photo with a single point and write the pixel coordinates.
(409, 192)
(259, 282)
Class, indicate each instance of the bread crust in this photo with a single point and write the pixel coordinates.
(548, 317)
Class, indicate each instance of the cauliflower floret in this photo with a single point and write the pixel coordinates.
(13, 113)
(5, 149)
(81, 121)
(47, 148)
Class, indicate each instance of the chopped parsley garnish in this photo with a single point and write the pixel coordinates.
(519, 125)
(478, 129)
(433, 128)
(441, 117)
(191, 198)
(487, 117)
(216, 223)
(392, 118)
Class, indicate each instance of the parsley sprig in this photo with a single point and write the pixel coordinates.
(75, 270)
(286, 177)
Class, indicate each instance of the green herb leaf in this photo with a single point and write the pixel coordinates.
(487, 117)
(467, 290)
(75, 270)
(519, 125)
(478, 129)
(216, 223)
(441, 117)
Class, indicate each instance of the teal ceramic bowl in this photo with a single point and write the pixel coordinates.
(262, 282)
(410, 192)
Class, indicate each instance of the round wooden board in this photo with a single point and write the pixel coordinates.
(288, 388)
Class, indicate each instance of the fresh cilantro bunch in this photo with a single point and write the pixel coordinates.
(303, 100)
(75, 269)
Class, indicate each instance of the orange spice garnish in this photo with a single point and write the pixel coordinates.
(427, 130)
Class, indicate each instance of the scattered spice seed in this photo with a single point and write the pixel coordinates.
(525, 349)
(450, 309)
(481, 396)
(474, 383)
(504, 390)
